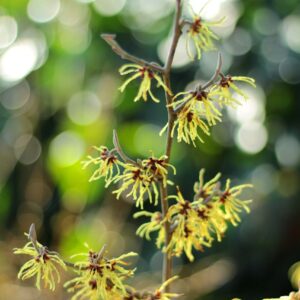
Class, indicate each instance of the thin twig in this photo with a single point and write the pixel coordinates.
(119, 149)
(176, 36)
(101, 252)
(167, 261)
(216, 74)
(71, 265)
(33, 237)
(111, 40)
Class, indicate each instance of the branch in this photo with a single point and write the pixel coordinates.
(110, 39)
(33, 237)
(120, 151)
(167, 260)
(101, 252)
(216, 74)
(177, 33)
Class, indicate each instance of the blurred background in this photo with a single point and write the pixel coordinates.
(58, 97)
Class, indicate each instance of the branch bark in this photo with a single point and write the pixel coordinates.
(110, 39)
(167, 262)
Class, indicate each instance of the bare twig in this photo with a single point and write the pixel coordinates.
(216, 74)
(111, 40)
(33, 237)
(101, 252)
(119, 149)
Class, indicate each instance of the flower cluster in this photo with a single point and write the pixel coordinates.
(195, 224)
(100, 278)
(224, 90)
(107, 164)
(200, 35)
(139, 183)
(147, 76)
(199, 109)
(43, 264)
(137, 179)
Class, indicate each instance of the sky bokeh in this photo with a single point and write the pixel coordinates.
(59, 96)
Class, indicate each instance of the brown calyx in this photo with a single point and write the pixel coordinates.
(144, 70)
(225, 81)
(196, 26)
(200, 95)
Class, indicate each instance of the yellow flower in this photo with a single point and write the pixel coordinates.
(224, 89)
(200, 102)
(160, 293)
(138, 183)
(147, 228)
(100, 278)
(196, 224)
(186, 235)
(188, 123)
(43, 265)
(231, 204)
(204, 190)
(200, 34)
(193, 110)
(147, 76)
(210, 221)
(158, 168)
(107, 165)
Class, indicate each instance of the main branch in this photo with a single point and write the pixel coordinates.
(167, 262)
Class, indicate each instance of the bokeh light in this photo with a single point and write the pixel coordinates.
(42, 11)
(27, 149)
(290, 32)
(109, 8)
(84, 108)
(66, 149)
(287, 149)
(16, 97)
(251, 137)
(26, 54)
(8, 31)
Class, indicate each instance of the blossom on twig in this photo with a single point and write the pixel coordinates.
(201, 35)
(147, 76)
(138, 183)
(43, 263)
(99, 277)
(196, 224)
(107, 164)
(223, 90)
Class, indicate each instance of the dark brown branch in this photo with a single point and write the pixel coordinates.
(111, 40)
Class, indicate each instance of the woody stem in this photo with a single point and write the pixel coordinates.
(167, 261)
